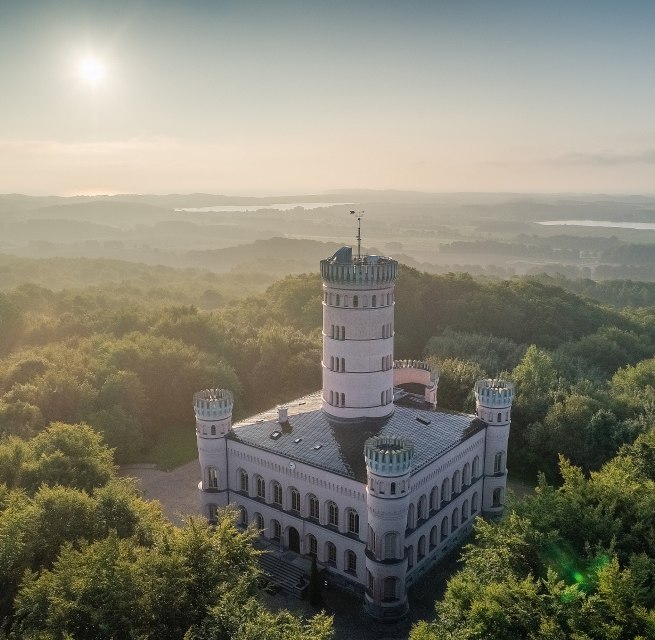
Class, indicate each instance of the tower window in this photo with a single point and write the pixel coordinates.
(390, 545)
(497, 499)
(355, 301)
(343, 364)
(212, 478)
(498, 462)
(374, 300)
(353, 522)
(338, 300)
(499, 418)
(351, 561)
(213, 429)
(393, 489)
(343, 399)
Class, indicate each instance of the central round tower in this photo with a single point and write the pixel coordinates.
(358, 329)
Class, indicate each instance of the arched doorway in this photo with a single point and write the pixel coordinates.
(294, 540)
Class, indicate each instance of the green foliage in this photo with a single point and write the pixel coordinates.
(456, 381)
(574, 562)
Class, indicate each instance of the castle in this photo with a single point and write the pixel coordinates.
(367, 475)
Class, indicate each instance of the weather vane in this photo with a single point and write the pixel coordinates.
(359, 215)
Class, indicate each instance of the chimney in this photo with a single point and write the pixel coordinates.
(282, 414)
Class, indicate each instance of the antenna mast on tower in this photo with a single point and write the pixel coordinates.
(359, 215)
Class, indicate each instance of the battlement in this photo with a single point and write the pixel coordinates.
(367, 271)
(494, 393)
(417, 364)
(213, 404)
(388, 455)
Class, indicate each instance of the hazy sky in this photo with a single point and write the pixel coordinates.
(296, 96)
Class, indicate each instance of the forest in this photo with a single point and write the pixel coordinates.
(124, 357)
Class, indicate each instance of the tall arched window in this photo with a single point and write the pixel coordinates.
(212, 478)
(466, 475)
(243, 481)
(277, 493)
(332, 514)
(312, 545)
(434, 499)
(476, 467)
(330, 554)
(314, 508)
(294, 496)
(343, 364)
(374, 301)
(410, 556)
(276, 530)
(390, 545)
(331, 363)
(355, 301)
(465, 510)
(259, 522)
(338, 300)
(421, 512)
(213, 430)
(261, 487)
(410, 517)
(454, 522)
(445, 491)
(434, 537)
(343, 399)
(498, 462)
(474, 503)
(456, 488)
(421, 547)
(499, 417)
(353, 521)
(243, 516)
(351, 562)
(497, 499)
(444, 528)
(393, 489)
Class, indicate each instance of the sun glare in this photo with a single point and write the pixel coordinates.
(92, 71)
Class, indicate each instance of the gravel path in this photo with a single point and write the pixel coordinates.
(176, 490)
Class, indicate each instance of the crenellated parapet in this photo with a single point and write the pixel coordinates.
(213, 404)
(367, 272)
(493, 393)
(388, 455)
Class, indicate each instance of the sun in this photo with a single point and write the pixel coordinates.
(91, 71)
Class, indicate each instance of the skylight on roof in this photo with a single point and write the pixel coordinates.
(422, 420)
(316, 447)
(275, 435)
(297, 440)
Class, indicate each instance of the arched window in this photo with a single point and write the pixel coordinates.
(445, 491)
(384, 330)
(444, 528)
(390, 589)
(474, 503)
(410, 556)
(421, 547)
(212, 478)
(314, 508)
(259, 522)
(332, 332)
(343, 399)
(277, 493)
(434, 537)
(212, 511)
(312, 545)
(331, 298)
(261, 487)
(465, 510)
(498, 462)
(374, 300)
(499, 417)
(343, 364)
(213, 429)
(456, 486)
(294, 496)
(410, 517)
(330, 554)
(421, 511)
(476, 467)
(343, 333)
(393, 489)
(276, 530)
(497, 499)
(243, 516)
(351, 562)
(390, 545)
(331, 363)
(353, 521)
(466, 475)
(332, 514)
(243, 481)
(371, 541)
(454, 522)
(388, 298)
(355, 301)
(382, 398)
(345, 301)
(338, 300)
(434, 499)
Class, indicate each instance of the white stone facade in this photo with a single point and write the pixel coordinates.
(375, 482)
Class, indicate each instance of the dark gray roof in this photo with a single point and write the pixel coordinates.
(341, 449)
